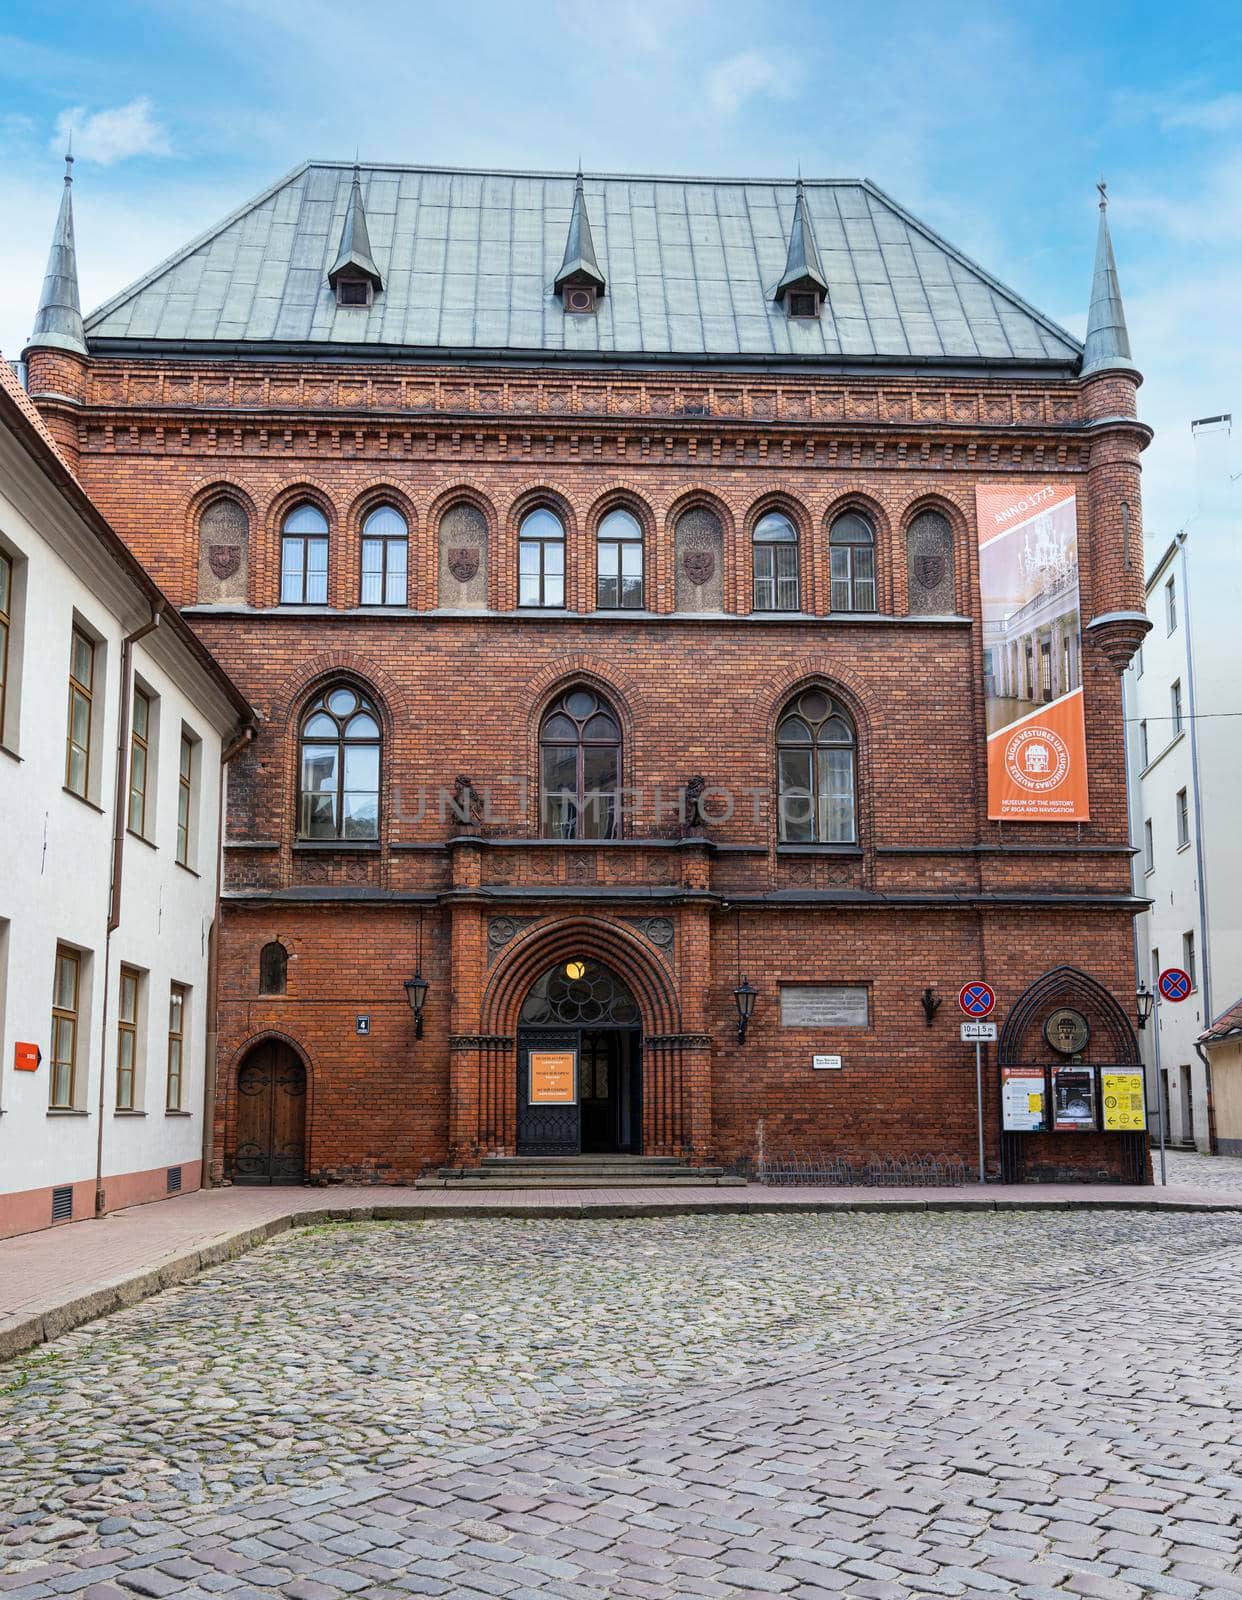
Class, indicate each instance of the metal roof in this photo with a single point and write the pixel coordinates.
(1108, 342)
(58, 321)
(469, 260)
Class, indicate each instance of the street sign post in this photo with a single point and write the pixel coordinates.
(1174, 984)
(978, 1000)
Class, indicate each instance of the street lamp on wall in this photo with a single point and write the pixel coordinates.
(416, 993)
(744, 996)
(1144, 1000)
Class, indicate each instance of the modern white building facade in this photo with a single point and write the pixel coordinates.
(107, 889)
(1184, 736)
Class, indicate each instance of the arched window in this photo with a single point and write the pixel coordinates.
(273, 968)
(775, 541)
(384, 541)
(815, 772)
(541, 560)
(340, 765)
(851, 546)
(929, 565)
(304, 558)
(620, 561)
(580, 769)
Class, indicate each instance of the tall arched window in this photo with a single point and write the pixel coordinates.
(620, 563)
(815, 772)
(304, 557)
(775, 541)
(580, 768)
(541, 559)
(273, 968)
(384, 542)
(340, 767)
(851, 546)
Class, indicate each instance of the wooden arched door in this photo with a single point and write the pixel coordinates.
(271, 1116)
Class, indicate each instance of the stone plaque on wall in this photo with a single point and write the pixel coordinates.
(224, 537)
(824, 1005)
(699, 547)
(463, 558)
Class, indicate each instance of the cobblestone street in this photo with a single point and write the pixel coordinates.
(861, 1404)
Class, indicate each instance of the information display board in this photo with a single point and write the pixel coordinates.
(1022, 1100)
(1073, 1099)
(1121, 1090)
(553, 1077)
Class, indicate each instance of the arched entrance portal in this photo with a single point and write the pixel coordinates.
(271, 1116)
(579, 1064)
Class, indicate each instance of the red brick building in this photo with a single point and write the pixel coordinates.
(616, 635)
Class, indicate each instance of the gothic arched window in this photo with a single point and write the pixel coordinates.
(304, 557)
(815, 747)
(385, 539)
(851, 553)
(541, 559)
(580, 768)
(775, 542)
(340, 767)
(619, 584)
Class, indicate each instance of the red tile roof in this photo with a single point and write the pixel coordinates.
(1228, 1022)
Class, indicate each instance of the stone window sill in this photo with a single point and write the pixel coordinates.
(185, 867)
(186, 1114)
(128, 1111)
(853, 851)
(349, 846)
(82, 799)
(66, 1111)
(142, 839)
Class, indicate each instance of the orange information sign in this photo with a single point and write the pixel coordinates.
(553, 1077)
(26, 1057)
(1032, 651)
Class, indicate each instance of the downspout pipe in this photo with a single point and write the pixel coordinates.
(1207, 1085)
(118, 859)
(240, 738)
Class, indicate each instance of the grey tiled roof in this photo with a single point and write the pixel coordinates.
(468, 261)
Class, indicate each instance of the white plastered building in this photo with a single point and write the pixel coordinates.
(105, 929)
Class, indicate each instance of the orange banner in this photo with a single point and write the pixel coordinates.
(553, 1077)
(1032, 652)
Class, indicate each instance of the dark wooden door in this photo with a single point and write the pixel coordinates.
(271, 1117)
(543, 1128)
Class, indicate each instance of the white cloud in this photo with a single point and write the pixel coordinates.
(111, 135)
(729, 84)
(1219, 115)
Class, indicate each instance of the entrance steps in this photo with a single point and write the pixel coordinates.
(578, 1172)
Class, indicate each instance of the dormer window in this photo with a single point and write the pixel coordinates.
(803, 303)
(579, 300)
(353, 292)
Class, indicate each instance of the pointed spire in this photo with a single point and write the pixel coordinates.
(579, 265)
(802, 268)
(1107, 345)
(58, 321)
(354, 256)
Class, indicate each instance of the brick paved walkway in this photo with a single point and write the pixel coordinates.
(57, 1279)
(1033, 1404)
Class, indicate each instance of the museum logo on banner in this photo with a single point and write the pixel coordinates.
(1032, 652)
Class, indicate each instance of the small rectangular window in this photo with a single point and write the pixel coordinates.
(1183, 818)
(178, 996)
(1170, 606)
(383, 572)
(1144, 748)
(1149, 847)
(81, 697)
(1138, 663)
(1156, 970)
(620, 580)
(127, 1038)
(353, 292)
(185, 795)
(139, 756)
(803, 304)
(1175, 705)
(303, 570)
(6, 615)
(1188, 958)
(63, 1084)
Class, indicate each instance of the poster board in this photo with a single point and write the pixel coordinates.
(1023, 1101)
(1073, 1098)
(1032, 651)
(553, 1077)
(1121, 1091)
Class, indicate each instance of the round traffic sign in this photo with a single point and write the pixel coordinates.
(977, 999)
(1174, 983)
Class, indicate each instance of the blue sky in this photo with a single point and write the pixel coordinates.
(990, 121)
